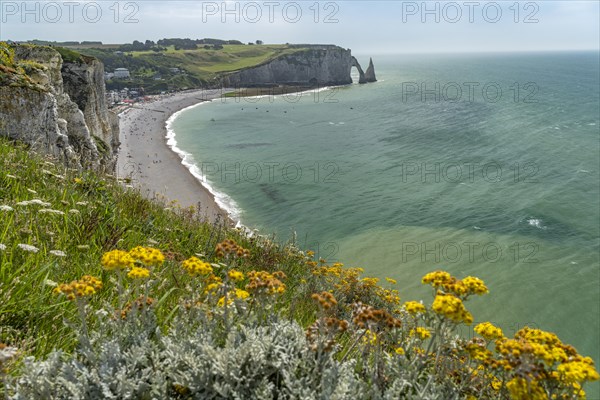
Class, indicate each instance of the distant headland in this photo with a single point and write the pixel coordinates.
(175, 64)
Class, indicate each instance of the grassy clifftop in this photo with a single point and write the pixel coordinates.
(152, 69)
(146, 300)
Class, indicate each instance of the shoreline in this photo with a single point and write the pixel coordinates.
(148, 152)
(154, 167)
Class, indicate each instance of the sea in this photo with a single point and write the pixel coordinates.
(478, 164)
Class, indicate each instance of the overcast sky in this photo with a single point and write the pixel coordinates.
(373, 27)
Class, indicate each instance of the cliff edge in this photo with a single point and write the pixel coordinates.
(310, 65)
(57, 106)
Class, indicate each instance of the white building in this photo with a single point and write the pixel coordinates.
(121, 73)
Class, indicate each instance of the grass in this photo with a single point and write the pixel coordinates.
(99, 215)
(57, 224)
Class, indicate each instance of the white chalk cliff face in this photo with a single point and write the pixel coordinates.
(64, 112)
(323, 65)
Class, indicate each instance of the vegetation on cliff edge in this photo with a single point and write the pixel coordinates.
(143, 299)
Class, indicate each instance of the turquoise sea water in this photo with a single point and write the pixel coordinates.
(501, 186)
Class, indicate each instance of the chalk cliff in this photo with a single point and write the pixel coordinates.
(370, 73)
(59, 108)
(317, 65)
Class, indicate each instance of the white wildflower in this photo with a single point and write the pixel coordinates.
(50, 282)
(34, 201)
(28, 247)
(11, 176)
(58, 253)
(7, 353)
(74, 211)
(50, 211)
(6, 208)
(152, 241)
(81, 203)
(2, 247)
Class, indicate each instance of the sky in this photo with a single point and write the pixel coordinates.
(373, 27)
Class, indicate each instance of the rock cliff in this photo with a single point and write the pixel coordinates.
(370, 73)
(60, 109)
(310, 65)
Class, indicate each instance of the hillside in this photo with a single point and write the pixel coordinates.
(144, 300)
(152, 69)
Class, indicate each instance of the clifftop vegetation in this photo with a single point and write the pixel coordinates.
(198, 62)
(143, 299)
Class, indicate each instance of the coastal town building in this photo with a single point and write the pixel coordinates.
(121, 73)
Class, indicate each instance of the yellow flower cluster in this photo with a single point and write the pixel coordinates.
(194, 266)
(521, 389)
(436, 278)
(237, 294)
(414, 307)
(421, 333)
(235, 275)
(474, 285)
(577, 371)
(390, 296)
(465, 287)
(265, 282)
(489, 331)
(451, 307)
(138, 273)
(86, 286)
(147, 255)
(117, 259)
(478, 351)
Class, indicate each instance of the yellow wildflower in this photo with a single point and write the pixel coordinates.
(399, 351)
(421, 333)
(414, 307)
(489, 331)
(577, 371)
(147, 255)
(241, 294)
(436, 278)
(451, 307)
(86, 286)
(235, 276)
(391, 281)
(138, 273)
(116, 259)
(194, 266)
(475, 285)
(521, 389)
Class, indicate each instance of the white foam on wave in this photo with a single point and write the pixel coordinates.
(536, 223)
(187, 159)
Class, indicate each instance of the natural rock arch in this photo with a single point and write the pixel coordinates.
(361, 73)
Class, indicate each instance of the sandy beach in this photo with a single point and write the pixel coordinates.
(153, 167)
